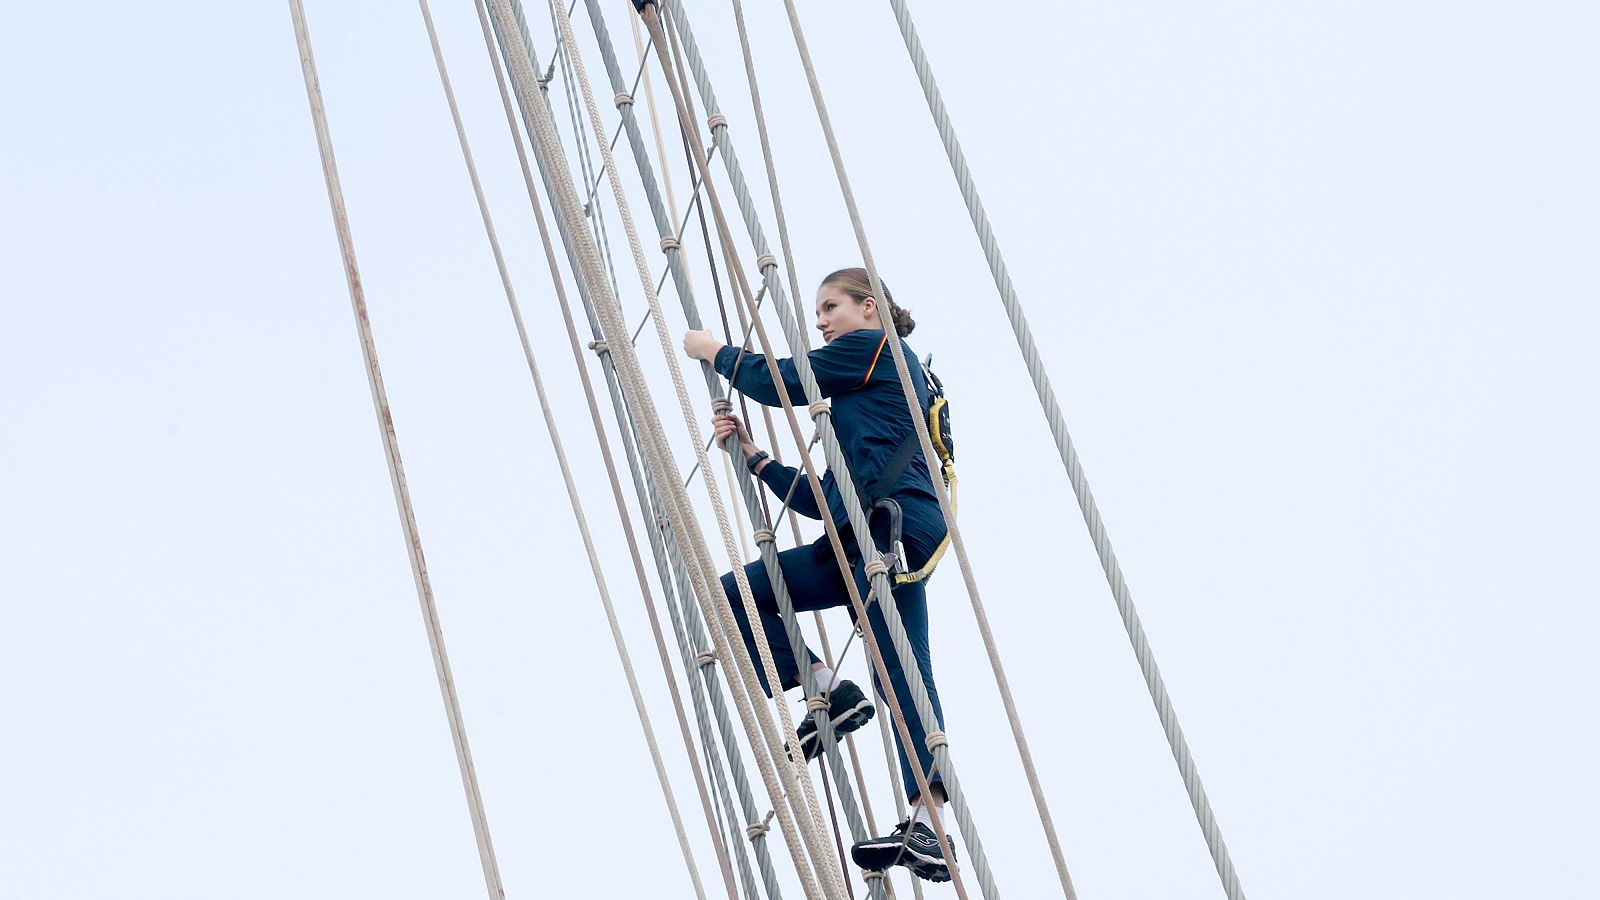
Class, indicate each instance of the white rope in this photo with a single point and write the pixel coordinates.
(577, 509)
(772, 171)
(751, 497)
(703, 683)
(741, 289)
(397, 473)
(837, 462)
(819, 411)
(762, 263)
(592, 210)
(676, 503)
(821, 852)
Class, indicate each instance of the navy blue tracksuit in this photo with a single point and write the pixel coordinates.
(870, 418)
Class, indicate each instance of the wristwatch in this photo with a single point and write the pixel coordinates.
(754, 461)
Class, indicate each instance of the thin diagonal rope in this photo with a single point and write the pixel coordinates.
(550, 67)
(752, 500)
(838, 842)
(899, 795)
(772, 169)
(1069, 456)
(726, 818)
(669, 564)
(616, 135)
(397, 473)
(821, 853)
(918, 420)
(837, 462)
(920, 699)
(578, 513)
(641, 46)
(914, 407)
(794, 286)
(593, 210)
(677, 503)
(727, 460)
(741, 288)
(861, 828)
(727, 334)
(829, 660)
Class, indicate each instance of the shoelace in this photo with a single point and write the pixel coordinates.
(904, 829)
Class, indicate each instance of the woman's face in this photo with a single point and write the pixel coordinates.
(839, 313)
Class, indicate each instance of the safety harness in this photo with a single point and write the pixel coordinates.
(877, 495)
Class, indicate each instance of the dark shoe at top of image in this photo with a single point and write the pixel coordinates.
(848, 709)
(912, 845)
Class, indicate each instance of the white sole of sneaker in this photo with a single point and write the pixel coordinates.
(853, 718)
(880, 856)
(926, 867)
(850, 720)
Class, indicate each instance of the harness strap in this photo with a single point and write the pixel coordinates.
(883, 486)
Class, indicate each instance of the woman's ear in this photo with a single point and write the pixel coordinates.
(869, 308)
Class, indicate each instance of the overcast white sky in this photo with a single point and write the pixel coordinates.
(1316, 283)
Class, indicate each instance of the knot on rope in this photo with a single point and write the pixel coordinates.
(721, 405)
(670, 243)
(817, 703)
(765, 260)
(623, 98)
(868, 873)
(706, 658)
(936, 739)
(819, 409)
(764, 536)
(717, 121)
(600, 346)
(758, 829)
(876, 568)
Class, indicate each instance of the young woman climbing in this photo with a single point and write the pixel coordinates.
(855, 370)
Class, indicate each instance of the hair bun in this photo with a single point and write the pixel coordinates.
(903, 323)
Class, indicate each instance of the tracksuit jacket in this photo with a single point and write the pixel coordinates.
(856, 371)
(869, 416)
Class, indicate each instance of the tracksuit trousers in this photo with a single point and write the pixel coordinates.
(815, 583)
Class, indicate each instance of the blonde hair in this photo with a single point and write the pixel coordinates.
(858, 284)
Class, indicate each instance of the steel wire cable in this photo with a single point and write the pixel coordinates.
(1069, 459)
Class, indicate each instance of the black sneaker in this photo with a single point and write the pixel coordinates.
(848, 708)
(917, 850)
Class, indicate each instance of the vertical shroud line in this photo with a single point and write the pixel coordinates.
(397, 473)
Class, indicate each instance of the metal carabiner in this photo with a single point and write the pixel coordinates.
(895, 559)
